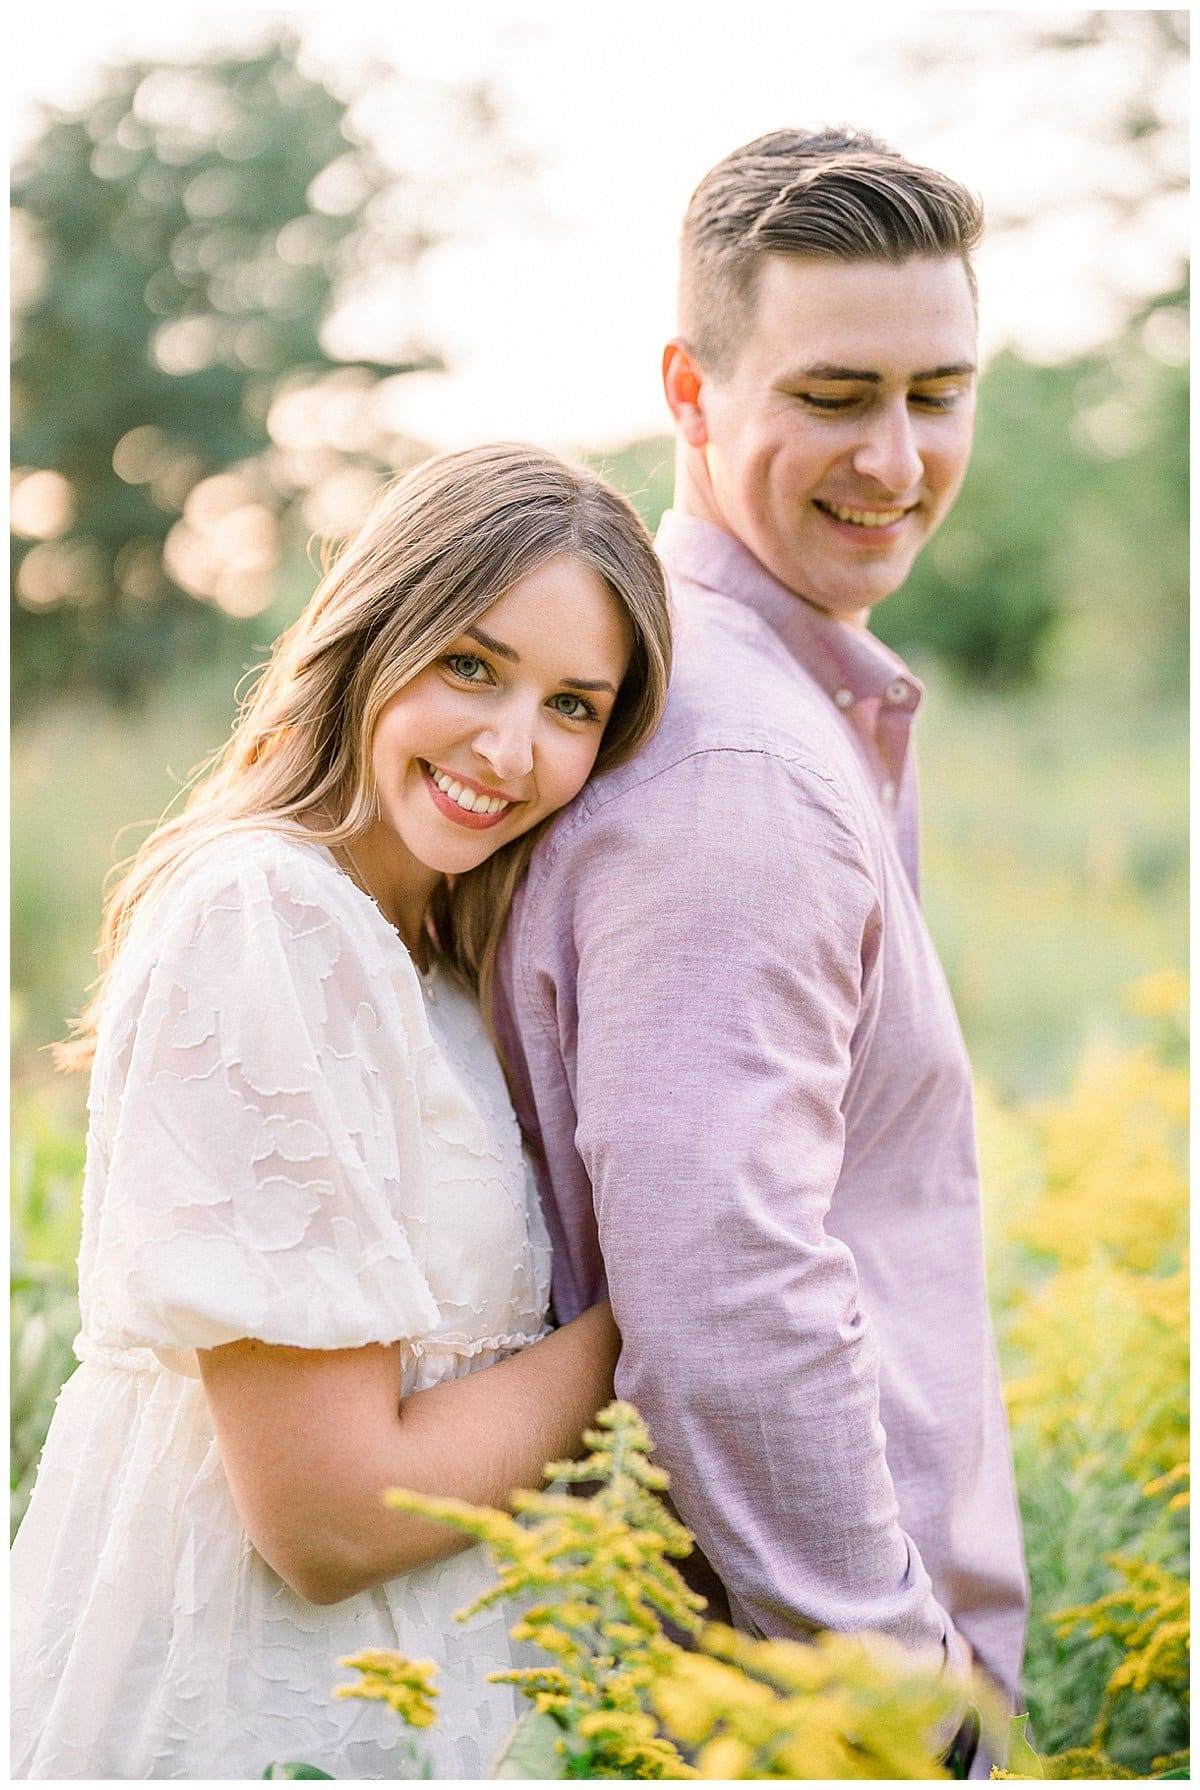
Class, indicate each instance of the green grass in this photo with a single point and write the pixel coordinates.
(1076, 1510)
(1055, 868)
(47, 1167)
(88, 782)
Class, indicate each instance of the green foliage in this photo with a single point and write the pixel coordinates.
(1023, 1760)
(1054, 865)
(1087, 1215)
(531, 1750)
(47, 1166)
(1146, 1623)
(43, 1321)
(645, 471)
(88, 782)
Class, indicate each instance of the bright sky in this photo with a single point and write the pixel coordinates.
(553, 315)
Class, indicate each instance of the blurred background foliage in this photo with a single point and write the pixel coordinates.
(196, 400)
(185, 408)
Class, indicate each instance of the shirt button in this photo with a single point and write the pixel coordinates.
(898, 691)
(843, 697)
(888, 791)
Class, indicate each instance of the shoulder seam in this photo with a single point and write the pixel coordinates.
(595, 796)
(595, 799)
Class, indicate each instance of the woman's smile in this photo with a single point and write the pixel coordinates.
(463, 801)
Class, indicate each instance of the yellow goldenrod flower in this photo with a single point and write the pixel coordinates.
(388, 1677)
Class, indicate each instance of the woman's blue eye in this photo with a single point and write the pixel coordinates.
(466, 666)
(575, 708)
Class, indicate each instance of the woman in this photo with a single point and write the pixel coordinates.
(307, 1226)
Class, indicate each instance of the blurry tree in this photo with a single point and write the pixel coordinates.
(1120, 80)
(185, 398)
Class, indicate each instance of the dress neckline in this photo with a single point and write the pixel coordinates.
(428, 978)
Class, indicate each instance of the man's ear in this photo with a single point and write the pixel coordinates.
(683, 382)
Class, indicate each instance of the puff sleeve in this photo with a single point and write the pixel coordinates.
(256, 1158)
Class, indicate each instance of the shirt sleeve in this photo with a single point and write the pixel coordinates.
(709, 971)
(256, 1125)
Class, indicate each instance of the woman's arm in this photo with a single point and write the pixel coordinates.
(310, 1437)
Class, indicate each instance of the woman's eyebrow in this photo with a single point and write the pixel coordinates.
(507, 652)
(493, 645)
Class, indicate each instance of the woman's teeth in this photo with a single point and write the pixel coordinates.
(467, 799)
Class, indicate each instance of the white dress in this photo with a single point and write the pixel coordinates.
(291, 1138)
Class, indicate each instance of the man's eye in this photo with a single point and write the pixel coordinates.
(467, 666)
(817, 403)
(937, 400)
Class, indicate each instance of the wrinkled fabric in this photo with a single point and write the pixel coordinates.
(732, 1042)
(291, 1138)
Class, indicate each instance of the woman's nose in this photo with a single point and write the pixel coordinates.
(506, 745)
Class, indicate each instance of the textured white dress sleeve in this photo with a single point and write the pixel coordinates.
(256, 1118)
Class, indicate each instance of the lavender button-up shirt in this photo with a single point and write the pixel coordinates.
(733, 1044)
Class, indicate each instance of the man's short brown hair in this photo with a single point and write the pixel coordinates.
(835, 194)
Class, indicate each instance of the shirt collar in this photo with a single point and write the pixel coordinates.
(850, 664)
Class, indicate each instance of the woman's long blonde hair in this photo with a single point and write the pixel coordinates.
(438, 548)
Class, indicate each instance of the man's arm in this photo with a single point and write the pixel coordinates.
(722, 955)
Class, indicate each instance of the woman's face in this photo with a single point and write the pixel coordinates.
(504, 726)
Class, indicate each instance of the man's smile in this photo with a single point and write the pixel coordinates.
(863, 518)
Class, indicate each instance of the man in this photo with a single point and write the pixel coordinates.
(729, 1032)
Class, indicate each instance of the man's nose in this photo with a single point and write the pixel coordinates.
(506, 744)
(889, 454)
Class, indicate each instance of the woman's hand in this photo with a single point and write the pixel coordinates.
(310, 1438)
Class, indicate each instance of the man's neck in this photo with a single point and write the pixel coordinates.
(693, 497)
(693, 488)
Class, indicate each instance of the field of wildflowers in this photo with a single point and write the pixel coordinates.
(1088, 1223)
(1086, 1212)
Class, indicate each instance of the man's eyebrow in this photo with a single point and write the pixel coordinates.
(504, 651)
(867, 376)
(956, 370)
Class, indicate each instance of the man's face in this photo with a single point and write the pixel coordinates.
(839, 438)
